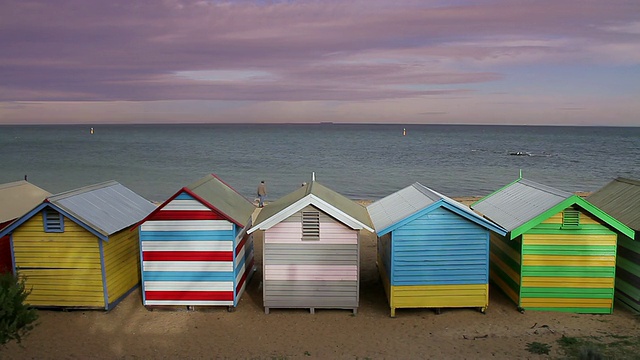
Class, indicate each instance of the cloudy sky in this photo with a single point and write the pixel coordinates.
(574, 62)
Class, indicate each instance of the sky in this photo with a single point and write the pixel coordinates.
(528, 62)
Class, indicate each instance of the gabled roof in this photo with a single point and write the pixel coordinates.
(217, 195)
(336, 205)
(396, 209)
(103, 209)
(621, 199)
(523, 204)
(17, 198)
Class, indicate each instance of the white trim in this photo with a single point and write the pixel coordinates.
(304, 202)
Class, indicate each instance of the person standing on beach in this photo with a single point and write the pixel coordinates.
(262, 193)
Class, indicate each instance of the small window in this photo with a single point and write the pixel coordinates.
(53, 221)
(310, 225)
(571, 218)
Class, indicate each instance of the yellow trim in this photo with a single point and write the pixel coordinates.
(564, 239)
(566, 302)
(558, 260)
(569, 282)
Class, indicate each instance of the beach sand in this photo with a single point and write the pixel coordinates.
(132, 332)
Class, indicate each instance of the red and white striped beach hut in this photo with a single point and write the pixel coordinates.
(195, 249)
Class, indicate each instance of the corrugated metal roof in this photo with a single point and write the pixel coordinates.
(17, 198)
(106, 207)
(400, 205)
(519, 202)
(224, 198)
(308, 194)
(621, 199)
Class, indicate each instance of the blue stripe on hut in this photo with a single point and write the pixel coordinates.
(195, 249)
(433, 252)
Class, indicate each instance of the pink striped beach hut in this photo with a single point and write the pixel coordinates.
(194, 247)
(311, 249)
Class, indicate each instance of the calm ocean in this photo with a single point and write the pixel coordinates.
(359, 161)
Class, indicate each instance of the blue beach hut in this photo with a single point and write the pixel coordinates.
(433, 252)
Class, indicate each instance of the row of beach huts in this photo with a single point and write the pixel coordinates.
(546, 249)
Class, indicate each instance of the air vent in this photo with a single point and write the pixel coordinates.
(311, 225)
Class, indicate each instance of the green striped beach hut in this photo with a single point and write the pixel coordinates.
(559, 253)
(621, 198)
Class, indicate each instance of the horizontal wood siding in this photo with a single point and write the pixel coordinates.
(244, 265)
(311, 274)
(62, 269)
(628, 273)
(440, 248)
(189, 256)
(505, 259)
(440, 296)
(122, 263)
(440, 259)
(570, 270)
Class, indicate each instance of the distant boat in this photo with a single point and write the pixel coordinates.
(520, 153)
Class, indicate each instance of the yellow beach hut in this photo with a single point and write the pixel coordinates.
(76, 250)
(559, 253)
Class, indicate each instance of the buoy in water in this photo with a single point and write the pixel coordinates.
(91, 131)
(404, 131)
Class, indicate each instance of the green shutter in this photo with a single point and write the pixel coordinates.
(571, 219)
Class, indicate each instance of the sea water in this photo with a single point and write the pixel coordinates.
(359, 161)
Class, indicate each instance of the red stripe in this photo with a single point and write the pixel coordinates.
(241, 244)
(244, 277)
(187, 256)
(187, 215)
(190, 295)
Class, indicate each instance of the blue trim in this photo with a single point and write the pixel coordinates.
(411, 217)
(46, 222)
(104, 277)
(38, 208)
(478, 220)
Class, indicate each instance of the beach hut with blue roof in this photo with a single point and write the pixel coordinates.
(621, 199)
(16, 199)
(560, 250)
(76, 250)
(311, 253)
(432, 252)
(195, 250)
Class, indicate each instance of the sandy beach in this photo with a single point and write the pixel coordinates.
(130, 331)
